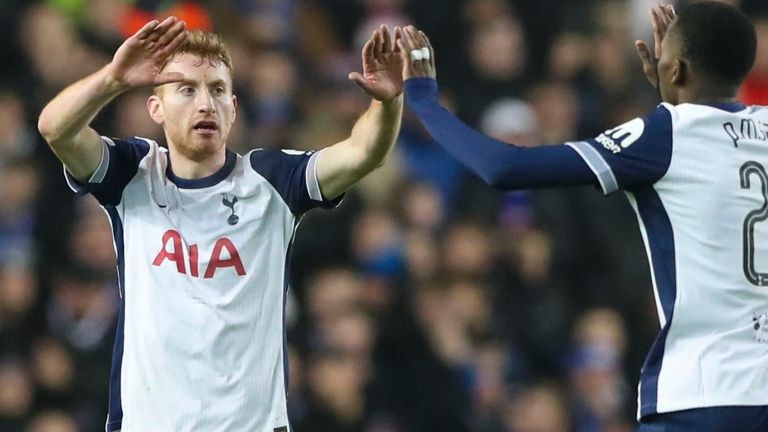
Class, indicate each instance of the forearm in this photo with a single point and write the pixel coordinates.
(68, 115)
(375, 133)
(499, 164)
(342, 165)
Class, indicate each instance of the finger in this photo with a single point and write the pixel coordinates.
(386, 38)
(663, 14)
(403, 50)
(398, 36)
(161, 28)
(431, 50)
(172, 46)
(417, 45)
(408, 35)
(170, 35)
(167, 78)
(378, 43)
(643, 51)
(368, 50)
(144, 31)
(405, 54)
(649, 69)
(360, 81)
(657, 34)
(671, 11)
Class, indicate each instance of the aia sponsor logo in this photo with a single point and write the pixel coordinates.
(224, 255)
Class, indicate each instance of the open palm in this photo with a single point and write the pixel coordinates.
(138, 60)
(382, 76)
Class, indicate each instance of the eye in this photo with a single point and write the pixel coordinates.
(218, 91)
(187, 90)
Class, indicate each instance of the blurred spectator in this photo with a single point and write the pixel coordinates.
(16, 394)
(497, 57)
(17, 139)
(52, 421)
(541, 407)
(19, 180)
(600, 392)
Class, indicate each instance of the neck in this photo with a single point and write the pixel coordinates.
(192, 168)
(709, 95)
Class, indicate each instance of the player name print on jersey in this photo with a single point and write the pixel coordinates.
(746, 129)
(173, 251)
(622, 136)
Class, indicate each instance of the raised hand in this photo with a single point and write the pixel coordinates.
(382, 75)
(661, 17)
(417, 54)
(138, 60)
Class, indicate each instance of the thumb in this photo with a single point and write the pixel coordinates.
(359, 80)
(167, 78)
(643, 51)
(649, 68)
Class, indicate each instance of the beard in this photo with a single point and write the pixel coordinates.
(193, 148)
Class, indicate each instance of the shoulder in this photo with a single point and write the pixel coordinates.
(265, 159)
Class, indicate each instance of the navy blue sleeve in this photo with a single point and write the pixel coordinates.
(631, 156)
(499, 164)
(293, 174)
(119, 164)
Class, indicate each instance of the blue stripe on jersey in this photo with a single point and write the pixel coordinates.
(718, 418)
(662, 251)
(286, 285)
(115, 416)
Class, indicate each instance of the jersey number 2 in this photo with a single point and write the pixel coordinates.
(758, 215)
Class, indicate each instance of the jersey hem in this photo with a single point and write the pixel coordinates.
(651, 409)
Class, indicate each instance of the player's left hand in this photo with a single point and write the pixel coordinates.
(417, 53)
(382, 75)
(661, 18)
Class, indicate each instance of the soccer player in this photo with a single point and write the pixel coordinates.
(695, 170)
(203, 234)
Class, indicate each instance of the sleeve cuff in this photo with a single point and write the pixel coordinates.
(597, 164)
(313, 185)
(419, 89)
(98, 175)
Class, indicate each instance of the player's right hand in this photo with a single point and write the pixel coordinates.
(138, 60)
(417, 54)
(661, 17)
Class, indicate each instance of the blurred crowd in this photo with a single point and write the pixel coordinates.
(427, 301)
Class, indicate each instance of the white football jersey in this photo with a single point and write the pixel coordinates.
(697, 177)
(203, 273)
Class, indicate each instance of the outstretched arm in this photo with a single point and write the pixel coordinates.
(64, 122)
(343, 164)
(499, 164)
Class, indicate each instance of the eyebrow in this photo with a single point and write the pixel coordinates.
(218, 82)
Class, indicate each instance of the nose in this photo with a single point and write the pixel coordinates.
(205, 103)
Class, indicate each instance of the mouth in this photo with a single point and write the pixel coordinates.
(205, 126)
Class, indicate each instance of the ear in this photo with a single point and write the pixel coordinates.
(234, 111)
(680, 72)
(155, 108)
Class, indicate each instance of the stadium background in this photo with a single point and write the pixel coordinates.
(426, 302)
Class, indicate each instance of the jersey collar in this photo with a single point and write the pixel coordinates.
(211, 180)
(731, 107)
